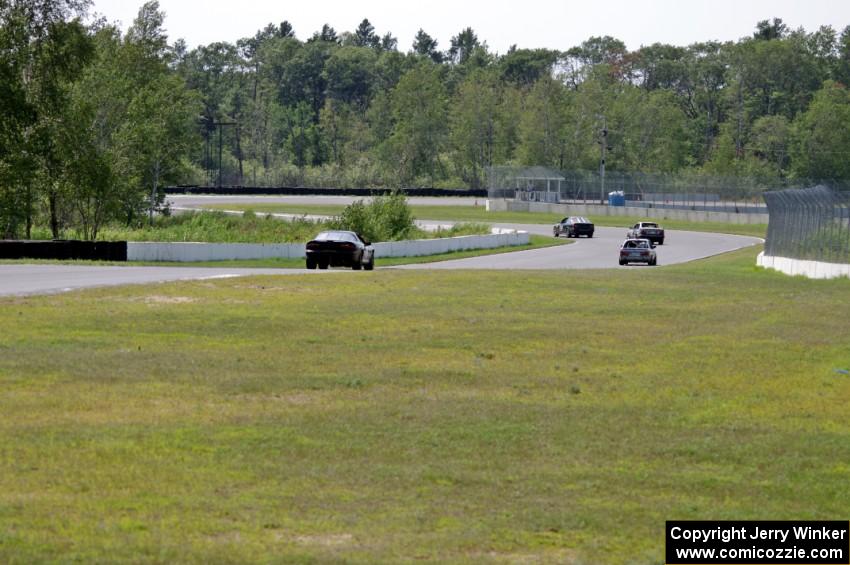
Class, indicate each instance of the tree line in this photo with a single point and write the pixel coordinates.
(95, 121)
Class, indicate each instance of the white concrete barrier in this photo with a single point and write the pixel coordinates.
(193, 252)
(810, 269)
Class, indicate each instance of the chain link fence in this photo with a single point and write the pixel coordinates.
(811, 224)
(682, 191)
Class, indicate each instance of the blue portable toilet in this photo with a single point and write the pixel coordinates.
(616, 198)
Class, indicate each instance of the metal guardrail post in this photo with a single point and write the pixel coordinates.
(812, 223)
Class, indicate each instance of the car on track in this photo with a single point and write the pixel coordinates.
(338, 248)
(647, 230)
(638, 251)
(573, 226)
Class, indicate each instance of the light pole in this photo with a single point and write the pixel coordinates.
(220, 127)
(603, 150)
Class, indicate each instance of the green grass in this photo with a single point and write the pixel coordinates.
(479, 214)
(217, 227)
(431, 416)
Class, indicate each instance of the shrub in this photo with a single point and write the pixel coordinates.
(357, 217)
(393, 216)
(218, 227)
(469, 228)
(385, 218)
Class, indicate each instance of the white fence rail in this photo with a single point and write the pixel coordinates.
(810, 269)
(195, 252)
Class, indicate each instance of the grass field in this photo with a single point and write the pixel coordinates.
(217, 227)
(429, 416)
(479, 214)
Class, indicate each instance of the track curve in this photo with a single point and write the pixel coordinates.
(600, 252)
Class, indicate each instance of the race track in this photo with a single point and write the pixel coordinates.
(600, 252)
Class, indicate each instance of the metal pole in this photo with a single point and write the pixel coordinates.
(603, 147)
(207, 160)
(220, 128)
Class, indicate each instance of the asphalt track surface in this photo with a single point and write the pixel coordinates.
(23, 279)
(600, 252)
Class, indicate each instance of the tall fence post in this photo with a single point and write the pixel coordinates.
(809, 224)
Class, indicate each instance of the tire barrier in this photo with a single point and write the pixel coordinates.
(301, 191)
(64, 249)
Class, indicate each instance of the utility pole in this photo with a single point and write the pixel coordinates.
(207, 127)
(603, 151)
(220, 145)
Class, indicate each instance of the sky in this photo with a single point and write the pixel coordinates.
(529, 24)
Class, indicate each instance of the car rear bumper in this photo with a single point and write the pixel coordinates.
(636, 259)
(333, 258)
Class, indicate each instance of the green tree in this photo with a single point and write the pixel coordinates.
(44, 47)
(419, 107)
(350, 73)
(660, 66)
(303, 142)
(841, 72)
(89, 183)
(426, 46)
(157, 133)
(707, 64)
(327, 34)
(365, 36)
(474, 120)
(598, 51)
(139, 124)
(543, 129)
(822, 144)
(342, 131)
(462, 46)
(767, 30)
(648, 131)
(770, 141)
(524, 67)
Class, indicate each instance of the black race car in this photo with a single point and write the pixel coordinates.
(338, 248)
(647, 230)
(573, 226)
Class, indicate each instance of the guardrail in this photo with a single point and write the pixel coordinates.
(195, 252)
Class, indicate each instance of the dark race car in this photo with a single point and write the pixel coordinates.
(338, 248)
(647, 230)
(573, 226)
